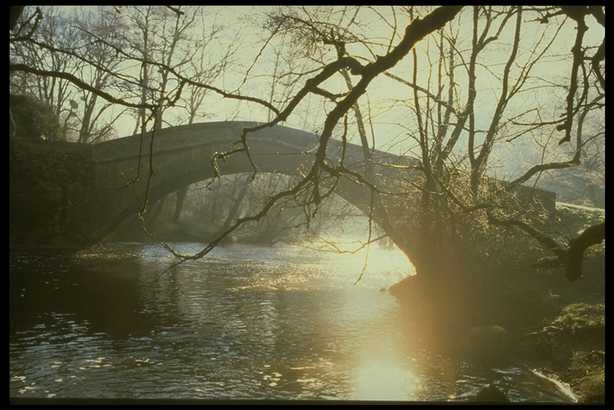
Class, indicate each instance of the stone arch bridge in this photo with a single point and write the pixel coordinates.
(95, 187)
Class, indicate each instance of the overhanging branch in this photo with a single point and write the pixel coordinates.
(79, 83)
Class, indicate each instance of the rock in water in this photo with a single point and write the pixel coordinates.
(491, 394)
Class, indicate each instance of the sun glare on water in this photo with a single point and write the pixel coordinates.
(375, 266)
(383, 379)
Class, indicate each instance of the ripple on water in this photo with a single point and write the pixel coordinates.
(249, 322)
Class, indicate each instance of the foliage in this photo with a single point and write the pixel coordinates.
(33, 118)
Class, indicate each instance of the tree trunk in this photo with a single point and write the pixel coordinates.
(234, 210)
(591, 236)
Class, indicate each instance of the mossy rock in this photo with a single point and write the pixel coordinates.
(591, 388)
(579, 327)
(581, 320)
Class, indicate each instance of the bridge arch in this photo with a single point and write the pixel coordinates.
(354, 220)
(181, 157)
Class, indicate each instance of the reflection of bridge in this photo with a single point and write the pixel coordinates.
(107, 189)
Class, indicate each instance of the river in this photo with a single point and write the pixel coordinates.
(245, 322)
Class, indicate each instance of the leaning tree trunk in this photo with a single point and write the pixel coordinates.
(447, 294)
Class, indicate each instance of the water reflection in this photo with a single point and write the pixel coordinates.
(274, 323)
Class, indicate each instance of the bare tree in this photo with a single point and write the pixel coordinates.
(104, 23)
(57, 93)
(459, 200)
(455, 189)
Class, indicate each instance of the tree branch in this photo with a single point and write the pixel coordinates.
(76, 81)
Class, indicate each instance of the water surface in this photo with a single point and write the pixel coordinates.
(245, 323)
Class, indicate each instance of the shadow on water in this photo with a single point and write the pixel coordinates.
(106, 298)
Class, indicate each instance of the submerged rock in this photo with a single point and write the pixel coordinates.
(487, 345)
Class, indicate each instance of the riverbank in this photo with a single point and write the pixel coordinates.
(572, 341)
(572, 346)
(526, 314)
